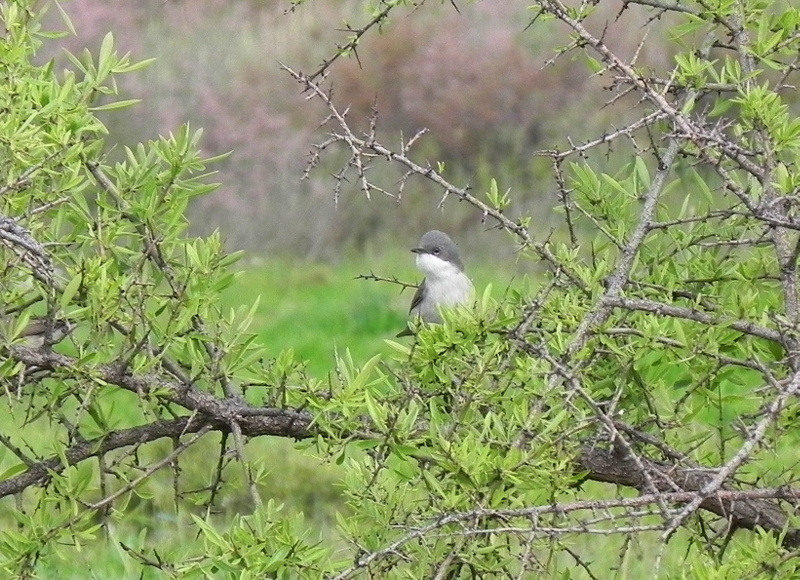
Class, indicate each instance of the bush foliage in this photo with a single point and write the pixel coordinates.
(633, 412)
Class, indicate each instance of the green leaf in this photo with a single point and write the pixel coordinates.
(135, 66)
(70, 290)
(104, 59)
(210, 534)
(359, 382)
(13, 471)
(594, 65)
(643, 174)
(66, 19)
(403, 349)
(376, 411)
(115, 105)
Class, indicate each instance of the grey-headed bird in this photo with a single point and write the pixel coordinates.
(444, 285)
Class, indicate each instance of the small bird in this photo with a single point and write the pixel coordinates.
(43, 330)
(445, 283)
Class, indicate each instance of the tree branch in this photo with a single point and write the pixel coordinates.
(279, 423)
(691, 485)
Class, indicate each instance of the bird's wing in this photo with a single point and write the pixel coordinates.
(417, 299)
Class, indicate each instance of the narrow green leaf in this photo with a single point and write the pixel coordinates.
(359, 382)
(115, 105)
(70, 291)
(13, 471)
(105, 50)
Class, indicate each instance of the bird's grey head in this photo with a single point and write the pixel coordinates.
(439, 245)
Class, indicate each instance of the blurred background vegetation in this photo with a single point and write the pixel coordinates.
(475, 80)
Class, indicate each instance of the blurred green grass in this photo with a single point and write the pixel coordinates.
(315, 309)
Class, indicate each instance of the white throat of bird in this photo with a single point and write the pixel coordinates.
(435, 268)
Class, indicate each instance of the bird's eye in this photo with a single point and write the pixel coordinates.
(436, 250)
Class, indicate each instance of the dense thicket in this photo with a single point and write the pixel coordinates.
(632, 411)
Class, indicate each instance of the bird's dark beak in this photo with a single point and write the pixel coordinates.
(418, 250)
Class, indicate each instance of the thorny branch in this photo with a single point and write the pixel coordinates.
(29, 250)
(689, 135)
(153, 253)
(601, 511)
(602, 463)
(393, 280)
(367, 147)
